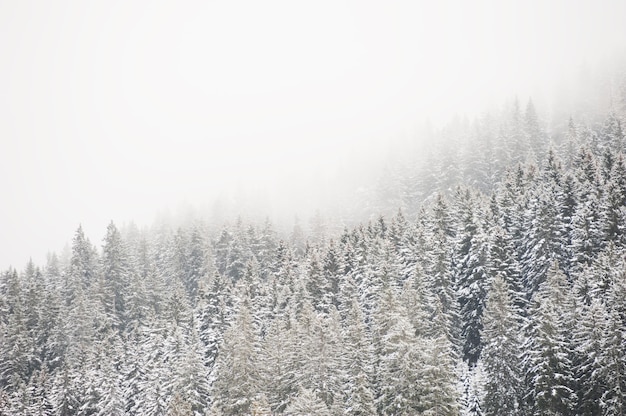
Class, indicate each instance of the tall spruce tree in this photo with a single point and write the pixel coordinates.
(501, 359)
(547, 351)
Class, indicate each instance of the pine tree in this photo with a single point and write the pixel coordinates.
(332, 268)
(571, 144)
(438, 266)
(267, 247)
(611, 216)
(612, 133)
(191, 378)
(536, 138)
(279, 362)
(543, 242)
(512, 202)
(587, 340)
(238, 253)
(501, 261)
(17, 345)
(500, 358)
(316, 280)
(587, 238)
(40, 392)
(471, 254)
(83, 261)
(514, 134)
(417, 299)
(236, 369)
(321, 354)
(112, 400)
(212, 316)
(116, 276)
(152, 383)
(307, 403)
(399, 368)
(472, 391)
(547, 353)
(358, 374)
(196, 267)
(437, 388)
(66, 395)
(612, 366)
(222, 250)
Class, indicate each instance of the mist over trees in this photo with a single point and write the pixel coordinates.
(491, 282)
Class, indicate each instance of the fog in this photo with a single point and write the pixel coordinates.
(118, 110)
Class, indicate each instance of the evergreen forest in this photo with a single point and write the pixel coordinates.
(489, 278)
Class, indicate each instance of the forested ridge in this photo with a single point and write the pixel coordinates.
(497, 286)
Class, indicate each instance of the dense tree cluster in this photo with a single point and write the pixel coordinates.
(503, 296)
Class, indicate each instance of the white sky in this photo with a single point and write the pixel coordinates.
(116, 109)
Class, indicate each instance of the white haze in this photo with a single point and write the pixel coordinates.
(120, 109)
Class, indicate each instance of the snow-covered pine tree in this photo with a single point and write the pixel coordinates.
(237, 378)
(115, 278)
(612, 366)
(472, 393)
(400, 363)
(547, 351)
(471, 273)
(190, 382)
(437, 379)
(83, 263)
(502, 262)
(358, 363)
(307, 403)
(588, 338)
(501, 359)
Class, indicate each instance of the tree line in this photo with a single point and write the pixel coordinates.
(504, 295)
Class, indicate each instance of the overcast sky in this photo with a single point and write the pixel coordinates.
(117, 109)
